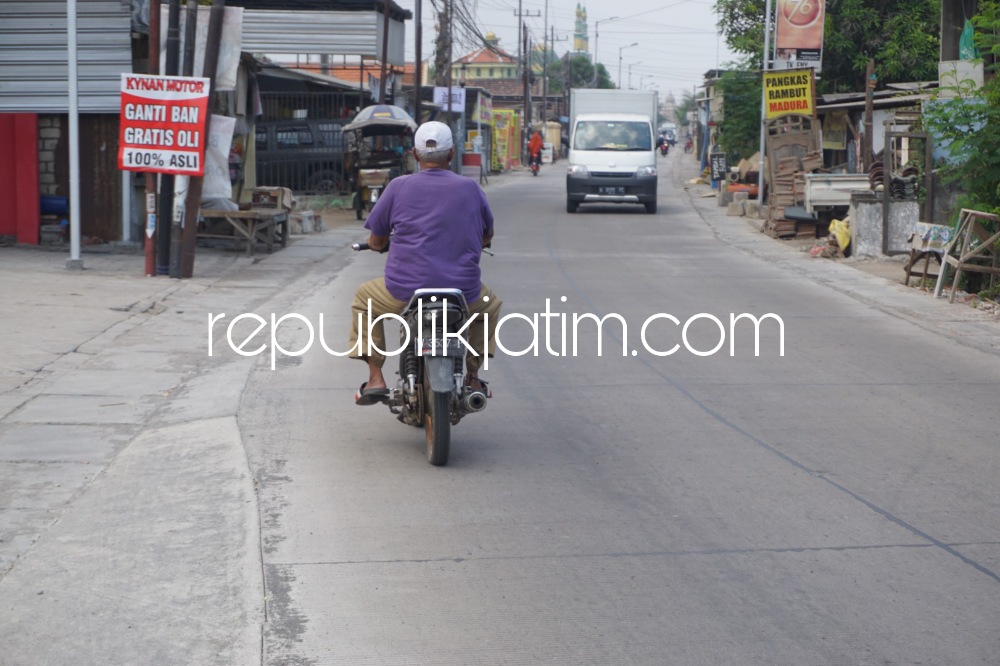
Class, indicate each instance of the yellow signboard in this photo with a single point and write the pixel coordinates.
(790, 91)
(835, 131)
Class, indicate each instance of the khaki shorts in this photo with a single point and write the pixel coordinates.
(480, 333)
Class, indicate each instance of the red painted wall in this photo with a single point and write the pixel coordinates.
(20, 214)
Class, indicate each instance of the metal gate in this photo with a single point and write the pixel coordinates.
(300, 142)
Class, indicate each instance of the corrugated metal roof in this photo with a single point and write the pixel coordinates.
(395, 11)
(877, 103)
(325, 32)
(34, 70)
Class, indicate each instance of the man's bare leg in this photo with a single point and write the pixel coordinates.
(375, 377)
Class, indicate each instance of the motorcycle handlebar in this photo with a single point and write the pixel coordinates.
(361, 247)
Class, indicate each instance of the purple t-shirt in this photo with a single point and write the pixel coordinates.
(438, 220)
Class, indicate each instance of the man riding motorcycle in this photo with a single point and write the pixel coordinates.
(535, 148)
(439, 223)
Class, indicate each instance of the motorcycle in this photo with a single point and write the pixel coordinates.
(430, 392)
(664, 148)
(536, 161)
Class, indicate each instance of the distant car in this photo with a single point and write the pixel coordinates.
(304, 155)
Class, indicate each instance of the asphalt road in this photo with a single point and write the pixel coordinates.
(837, 504)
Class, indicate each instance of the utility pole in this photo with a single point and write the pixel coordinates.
(441, 49)
(545, 82)
(545, 74)
(451, 6)
(418, 75)
(527, 80)
(383, 71)
(523, 59)
(630, 73)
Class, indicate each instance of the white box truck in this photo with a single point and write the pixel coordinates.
(612, 148)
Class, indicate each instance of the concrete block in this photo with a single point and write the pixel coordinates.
(725, 198)
(51, 234)
(735, 209)
(752, 209)
(308, 222)
(741, 196)
(304, 222)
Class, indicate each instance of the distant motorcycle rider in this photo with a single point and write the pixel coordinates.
(535, 148)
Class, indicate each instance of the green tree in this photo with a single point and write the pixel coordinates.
(684, 107)
(901, 36)
(739, 134)
(967, 125)
(580, 72)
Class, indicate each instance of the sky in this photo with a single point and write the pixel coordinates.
(676, 40)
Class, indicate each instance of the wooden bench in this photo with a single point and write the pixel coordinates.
(266, 226)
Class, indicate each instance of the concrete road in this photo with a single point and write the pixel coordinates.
(836, 504)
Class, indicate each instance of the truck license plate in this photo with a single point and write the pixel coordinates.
(610, 190)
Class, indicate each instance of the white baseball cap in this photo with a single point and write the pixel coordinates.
(432, 136)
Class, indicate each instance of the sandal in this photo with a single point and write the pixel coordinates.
(484, 386)
(370, 396)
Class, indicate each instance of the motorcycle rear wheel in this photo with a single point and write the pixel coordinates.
(438, 428)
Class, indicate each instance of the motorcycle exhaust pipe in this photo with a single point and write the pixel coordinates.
(474, 401)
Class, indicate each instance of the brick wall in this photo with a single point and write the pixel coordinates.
(49, 131)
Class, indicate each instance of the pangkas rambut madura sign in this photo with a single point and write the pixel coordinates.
(789, 92)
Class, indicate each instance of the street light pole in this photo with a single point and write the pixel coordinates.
(763, 105)
(620, 61)
(597, 34)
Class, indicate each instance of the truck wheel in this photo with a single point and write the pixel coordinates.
(571, 206)
(651, 207)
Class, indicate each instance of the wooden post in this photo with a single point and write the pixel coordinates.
(183, 182)
(166, 203)
(869, 143)
(190, 233)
